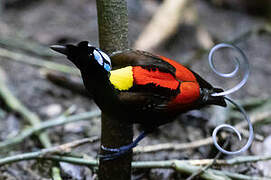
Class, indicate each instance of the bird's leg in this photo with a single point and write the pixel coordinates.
(116, 152)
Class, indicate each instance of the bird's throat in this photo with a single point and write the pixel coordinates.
(102, 90)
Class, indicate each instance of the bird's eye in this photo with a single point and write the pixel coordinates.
(106, 57)
(98, 57)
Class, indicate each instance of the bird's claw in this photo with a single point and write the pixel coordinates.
(117, 153)
(110, 149)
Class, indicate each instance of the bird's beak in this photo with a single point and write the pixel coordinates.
(60, 49)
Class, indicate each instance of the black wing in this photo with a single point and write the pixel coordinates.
(144, 102)
(140, 58)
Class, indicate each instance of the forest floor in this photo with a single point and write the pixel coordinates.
(30, 27)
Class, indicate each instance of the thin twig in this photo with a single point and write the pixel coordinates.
(48, 151)
(255, 118)
(195, 174)
(182, 166)
(65, 148)
(48, 124)
(32, 130)
(169, 15)
(173, 146)
(183, 146)
(19, 57)
(26, 45)
(56, 175)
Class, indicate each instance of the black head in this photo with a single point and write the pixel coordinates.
(84, 55)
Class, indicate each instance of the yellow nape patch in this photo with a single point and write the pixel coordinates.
(122, 79)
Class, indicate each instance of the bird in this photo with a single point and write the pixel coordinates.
(139, 87)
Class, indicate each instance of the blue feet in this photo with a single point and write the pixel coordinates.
(117, 152)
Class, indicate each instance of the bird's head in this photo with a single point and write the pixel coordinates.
(84, 56)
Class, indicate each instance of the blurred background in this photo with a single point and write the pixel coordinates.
(181, 30)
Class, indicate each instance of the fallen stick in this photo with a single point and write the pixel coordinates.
(26, 45)
(173, 146)
(184, 146)
(19, 57)
(162, 24)
(64, 148)
(47, 124)
(182, 166)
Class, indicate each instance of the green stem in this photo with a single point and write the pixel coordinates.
(48, 124)
(113, 36)
(26, 45)
(182, 166)
(4, 53)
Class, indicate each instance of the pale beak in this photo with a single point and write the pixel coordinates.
(60, 49)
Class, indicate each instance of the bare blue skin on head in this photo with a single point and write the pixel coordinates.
(102, 58)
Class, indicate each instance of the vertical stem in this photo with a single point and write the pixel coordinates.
(113, 25)
(1, 7)
(113, 36)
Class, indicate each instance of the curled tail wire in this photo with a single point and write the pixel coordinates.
(229, 91)
(250, 139)
(234, 72)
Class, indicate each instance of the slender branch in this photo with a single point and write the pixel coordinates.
(182, 166)
(26, 45)
(198, 173)
(65, 148)
(173, 146)
(1, 8)
(238, 176)
(36, 61)
(256, 117)
(48, 124)
(168, 15)
(56, 173)
(45, 152)
(185, 146)
(138, 164)
(113, 36)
